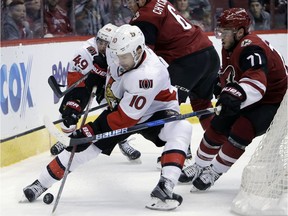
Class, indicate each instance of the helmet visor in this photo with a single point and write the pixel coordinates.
(223, 32)
(124, 61)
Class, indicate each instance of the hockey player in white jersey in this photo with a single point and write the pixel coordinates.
(141, 92)
(89, 58)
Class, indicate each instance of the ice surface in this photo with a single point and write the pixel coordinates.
(112, 185)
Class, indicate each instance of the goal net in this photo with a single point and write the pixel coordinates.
(264, 184)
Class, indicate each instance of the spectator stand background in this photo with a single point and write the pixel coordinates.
(56, 19)
(15, 25)
(34, 12)
(259, 17)
(117, 14)
(86, 17)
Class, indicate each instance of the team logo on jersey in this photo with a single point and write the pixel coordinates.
(230, 71)
(145, 84)
(246, 42)
(92, 50)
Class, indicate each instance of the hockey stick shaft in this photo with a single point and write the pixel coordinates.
(73, 153)
(43, 126)
(95, 138)
(56, 89)
(77, 141)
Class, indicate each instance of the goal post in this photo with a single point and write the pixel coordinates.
(264, 184)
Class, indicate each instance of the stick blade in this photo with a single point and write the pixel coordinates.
(54, 86)
(61, 137)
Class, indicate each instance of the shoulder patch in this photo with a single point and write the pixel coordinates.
(246, 42)
(145, 84)
(137, 14)
(92, 50)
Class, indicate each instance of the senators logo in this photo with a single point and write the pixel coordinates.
(145, 84)
(92, 50)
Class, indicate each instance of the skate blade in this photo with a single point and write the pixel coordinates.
(23, 199)
(157, 204)
(194, 189)
(136, 161)
(185, 183)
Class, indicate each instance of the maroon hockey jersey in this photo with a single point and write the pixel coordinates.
(256, 63)
(177, 37)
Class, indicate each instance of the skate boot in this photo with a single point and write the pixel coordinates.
(33, 191)
(127, 150)
(206, 179)
(57, 148)
(190, 173)
(188, 160)
(163, 198)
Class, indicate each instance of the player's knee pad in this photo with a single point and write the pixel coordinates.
(177, 133)
(242, 133)
(83, 157)
(213, 137)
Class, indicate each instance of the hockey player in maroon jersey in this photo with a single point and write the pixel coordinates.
(252, 84)
(89, 58)
(141, 84)
(192, 58)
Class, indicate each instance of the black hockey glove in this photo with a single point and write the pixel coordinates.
(71, 113)
(100, 62)
(231, 97)
(100, 92)
(95, 79)
(85, 131)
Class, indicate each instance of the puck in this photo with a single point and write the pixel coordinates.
(48, 198)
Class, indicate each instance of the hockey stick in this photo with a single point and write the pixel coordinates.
(43, 126)
(73, 152)
(56, 88)
(77, 141)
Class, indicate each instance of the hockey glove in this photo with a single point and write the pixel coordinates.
(71, 113)
(95, 79)
(100, 92)
(85, 131)
(100, 62)
(231, 97)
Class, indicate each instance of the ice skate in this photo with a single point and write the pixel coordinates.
(57, 148)
(33, 191)
(163, 198)
(131, 153)
(205, 180)
(190, 173)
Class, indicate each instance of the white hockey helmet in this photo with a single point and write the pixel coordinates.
(128, 39)
(106, 32)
